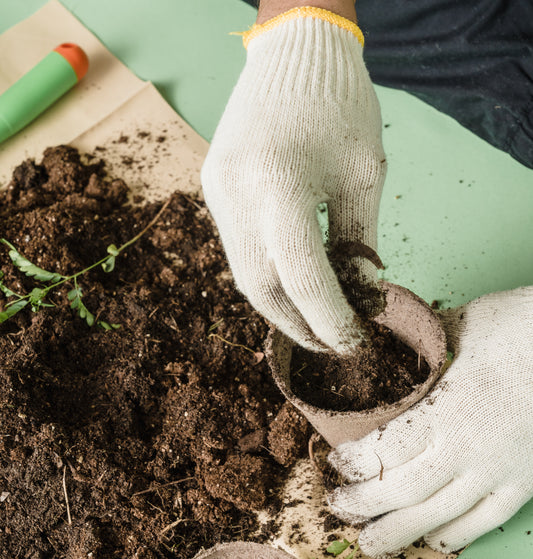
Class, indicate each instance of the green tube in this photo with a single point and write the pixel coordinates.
(39, 88)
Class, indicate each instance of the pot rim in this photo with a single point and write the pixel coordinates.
(418, 392)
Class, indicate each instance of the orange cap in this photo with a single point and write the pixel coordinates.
(75, 56)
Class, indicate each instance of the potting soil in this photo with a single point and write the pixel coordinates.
(382, 371)
(147, 441)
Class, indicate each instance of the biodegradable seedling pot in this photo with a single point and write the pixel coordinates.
(413, 322)
(243, 550)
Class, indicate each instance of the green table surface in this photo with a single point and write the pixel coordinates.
(456, 218)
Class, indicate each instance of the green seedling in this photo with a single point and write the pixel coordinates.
(36, 299)
(49, 281)
(338, 547)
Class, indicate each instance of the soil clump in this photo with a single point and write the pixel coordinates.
(163, 436)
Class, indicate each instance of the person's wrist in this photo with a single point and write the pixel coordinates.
(273, 13)
(269, 9)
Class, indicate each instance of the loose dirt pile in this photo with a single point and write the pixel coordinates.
(162, 436)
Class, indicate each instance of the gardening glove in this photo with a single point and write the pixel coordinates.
(459, 463)
(302, 127)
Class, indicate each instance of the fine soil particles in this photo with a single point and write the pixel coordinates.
(382, 371)
(148, 441)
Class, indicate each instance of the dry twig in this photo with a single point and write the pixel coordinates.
(162, 485)
(66, 495)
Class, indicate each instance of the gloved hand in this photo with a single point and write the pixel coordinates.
(460, 462)
(302, 127)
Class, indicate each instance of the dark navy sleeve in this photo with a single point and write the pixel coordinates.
(471, 60)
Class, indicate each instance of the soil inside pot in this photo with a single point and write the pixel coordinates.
(382, 371)
(164, 435)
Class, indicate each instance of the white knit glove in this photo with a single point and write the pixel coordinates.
(460, 463)
(302, 127)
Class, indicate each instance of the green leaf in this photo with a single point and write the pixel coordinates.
(29, 268)
(5, 289)
(74, 295)
(108, 326)
(36, 299)
(214, 326)
(336, 548)
(12, 309)
(352, 554)
(108, 264)
(85, 313)
(37, 295)
(113, 250)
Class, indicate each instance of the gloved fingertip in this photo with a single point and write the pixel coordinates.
(311, 344)
(346, 347)
(442, 546)
(342, 460)
(372, 546)
(340, 505)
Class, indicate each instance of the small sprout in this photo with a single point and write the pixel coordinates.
(108, 326)
(51, 280)
(74, 296)
(113, 250)
(28, 268)
(36, 299)
(214, 326)
(108, 265)
(338, 547)
(12, 309)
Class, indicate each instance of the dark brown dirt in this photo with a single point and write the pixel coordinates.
(382, 372)
(164, 435)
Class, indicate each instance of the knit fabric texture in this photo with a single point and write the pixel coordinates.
(302, 128)
(459, 463)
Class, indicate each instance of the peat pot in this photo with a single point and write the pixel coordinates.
(413, 322)
(243, 550)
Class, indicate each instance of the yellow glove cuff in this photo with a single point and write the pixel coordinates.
(306, 11)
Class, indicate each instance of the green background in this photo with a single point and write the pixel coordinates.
(456, 218)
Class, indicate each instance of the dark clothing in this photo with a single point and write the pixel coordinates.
(472, 60)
